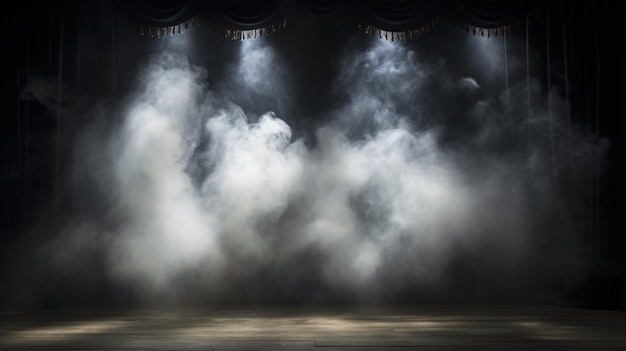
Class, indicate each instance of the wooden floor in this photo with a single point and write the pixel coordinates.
(328, 328)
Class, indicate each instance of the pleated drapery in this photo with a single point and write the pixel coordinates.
(390, 19)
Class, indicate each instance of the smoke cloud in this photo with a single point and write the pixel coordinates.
(417, 187)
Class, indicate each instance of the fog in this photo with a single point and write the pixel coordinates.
(418, 179)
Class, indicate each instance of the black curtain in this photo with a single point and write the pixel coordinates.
(399, 16)
(585, 40)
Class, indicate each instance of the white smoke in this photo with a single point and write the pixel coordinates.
(214, 204)
(166, 230)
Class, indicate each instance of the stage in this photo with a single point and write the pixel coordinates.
(423, 327)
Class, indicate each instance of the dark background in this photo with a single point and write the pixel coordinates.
(88, 52)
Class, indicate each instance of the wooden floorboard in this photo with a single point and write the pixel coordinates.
(329, 328)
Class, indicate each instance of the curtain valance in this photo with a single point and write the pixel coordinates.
(399, 19)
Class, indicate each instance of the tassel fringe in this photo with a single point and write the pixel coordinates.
(415, 33)
(489, 32)
(158, 32)
(232, 34)
(236, 34)
(401, 36)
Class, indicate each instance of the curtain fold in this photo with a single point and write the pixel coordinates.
(396, 15)
(489, 14)
(159, 13)
(243, 14)
(241, 18)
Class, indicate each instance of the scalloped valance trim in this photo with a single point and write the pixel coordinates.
(238, 34)
(198, 21)
(248, 34)
(401, 35)
(158, 32)
(269, 29)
